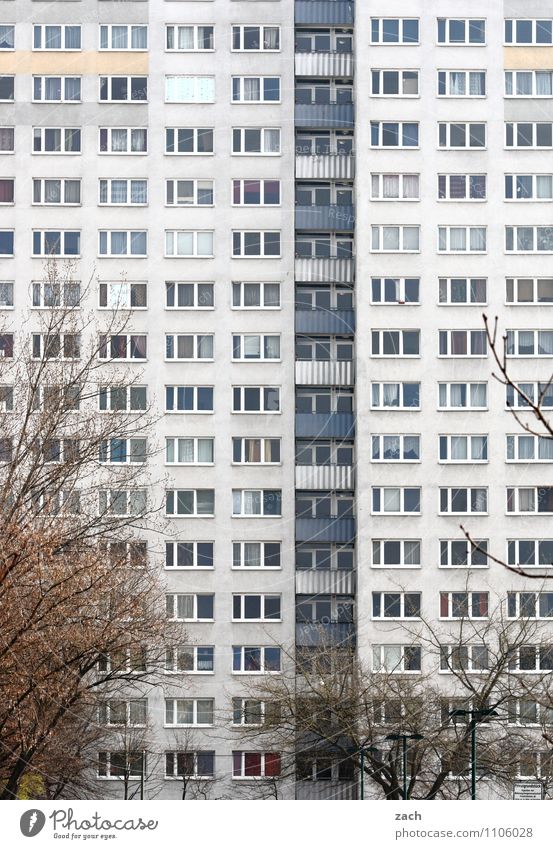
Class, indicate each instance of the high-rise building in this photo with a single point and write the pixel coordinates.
(312, 204)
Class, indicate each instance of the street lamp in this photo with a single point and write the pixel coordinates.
(404, 738)
(362, 751)
(476, 716)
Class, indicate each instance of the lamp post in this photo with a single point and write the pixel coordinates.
(404, 738)
(362, 751)
(476, 716)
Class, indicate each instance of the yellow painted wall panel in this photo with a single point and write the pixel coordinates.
(528, 58)
(83, 62)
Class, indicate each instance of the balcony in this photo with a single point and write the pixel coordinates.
(333, 166)
(325, 633)
(314, 269)
(329, 217)
(325, 321)
(327, 529)
(325, 582)
(324, 65)
(324, 12)
(344, 791)
(324, 373)
(325, 425)
(328, 116)
(325, 477)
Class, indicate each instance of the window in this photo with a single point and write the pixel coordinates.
(394, 31)
(6, 191)
(117, 192)
(125, 765)
(256, 347)
(188, 89)
(123, 37)
(395, 239)
(463, 500)
(461, 83)
(529, 290)
(190, 140)
(123, 346)
(396, 658)
(400, 448)
(257, 608)
(127, 660)
(537, 393)
(6, 242)
(56, 37)
(395, 343)
(7, 140)
(188, 399)
(532, 659)
(256, 764)
(189, 192)
(395, 83)
(46, 192)
(122, 242)
(526, 134)
(256, 399)
(523, 448)
(528, 31)
(462, 239)
(189, 451)
(466, 658)
(530, 499)
(400, 396)
(256, 38)
(197, 764)
(6, 294)
(123, 140)
(525, 239)
(6, 348)
(122, 502)
(528, 83)
(197, 296)
(123, 89)
(462, 290)
(394, 134)
(530, 605)
(463, 449)
(530, 552)
(468, 396)
(263, 141)
(56, 243)
(399, 605)
(524, 712)
(395, 290)
(461, 186)
(191, 607)
(256, 555)
(6, 392)
(192, 346)
(7, 89)
(55, 89)
(188, 243)
(7, 36)
(459, 136)
(123, 451)
(534, 187)
(460, 553)
(256, 295)
(260, 659)
(262, 451)
(461, 31)
(529, 343)
(396, 553)
(254, 712)
(119, 712)
(256, 502)
(193, 659)
(464, 605)
(255, 243)
(462, 343)
(190, 502)
(256, 192)
(184, 712)
(189, 38)
(395, 187)
(122, 295)
(256, 89)
(189, 555)
(396, 499)
(122, 398)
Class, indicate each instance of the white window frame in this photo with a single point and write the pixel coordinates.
(62, 181)
(513, 337)
(473, 668)
(537, 391)
(468, 489)
(41, 29)
(514, 495)
(197, 338)
(195, 440)
(472, 457)
(377, 342)
(171, 707)
(238, 286)
(381, 665)
(131, 443)
(106, 500)
(444, 76)
(401, 42)
(468, 389)
(449, 42)
(172, 241)
(445, 286)
(107, 707)
(239, 548)
(238, 29)
(174, 605)
(510, 77)
(534, 125)
(380, 596)
(130, 758)
(377, 181)
(63, 78)
(534, 24)
(400, 135)
(401, 406)
(261, 77)
(262, 450)
(262, 244)
(197, 774)
(402, 492)
(467, 125)
(128, 150)
(468, 188)
(261, 387)
(240, 340)
(104, 397)
(537, 650)
(241, 597)
(172, 34)
(61, 253)
(129, 186)
(196, 555)
(511, 236)
(240, 184)
(238, 495)
(512, 447)
(262, 131)
(533, 195)
(263, 670)
(194, 409)
(109, 88)
(196, 288)
(471, 343)
(195, 136)
(512, 284)
(401, 81)
(470, 602)
(378, 233)
(378, 553)
(119, 294)
(516, 561)
(196, 185)
(105, 345)
(109, 33)
(172, 666)
(194, 513)
(444, 237)
(518, 614)
(400, 285)
(129, 243)
(381, 437)
(470, 552)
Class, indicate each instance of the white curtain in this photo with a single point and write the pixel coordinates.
(251, 88)
(118, 141)
(544, 186)
(390, 186)
(390, 395)
(457, 83)
(479, 448)
(526, 500)
(545, 238)
(184, 242)
(458, 448)
(411, 552)
(52, 88)
(118, 193)
(390, 238)
(118, 242)
(52, 38)
(392, 500)
(138, 140)
(458, 394)
(185, 606)
(252, 554)
(271, 38)
(477, 83)
(72, 191)
(252, 502)
(478, 238)
(204, 243)
(545, 448)
(271, 140)
(543, 83)
(524, 83)
(525, 446)
(185, 451)
(410, 185)
(457, 239)
(205, 347)
(545, 342)
(525, 238)
(73, 37)
(205, 450)
(72, 88)
(139, 37)
(252, 347)
(139, 191)
(410, 238)
(138, 243)
(185, 38)
(119, 37)
(525, 342)
(478, 394)
(6, 138)
(52, 191)
(272, 347)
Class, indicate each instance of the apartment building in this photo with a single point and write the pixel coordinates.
(312, 204)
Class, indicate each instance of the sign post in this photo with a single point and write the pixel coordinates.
(527, 791)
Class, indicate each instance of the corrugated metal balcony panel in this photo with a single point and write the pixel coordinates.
(324, 65)
(325, 633)
(325, 321)
(313, 791)
(338, 116)
(325, 477)
(324, 270)
(332, 166)
(325, 530)
(325, 425)
(324, 12)
(325, 582)
(324, 373)
(329, 217)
